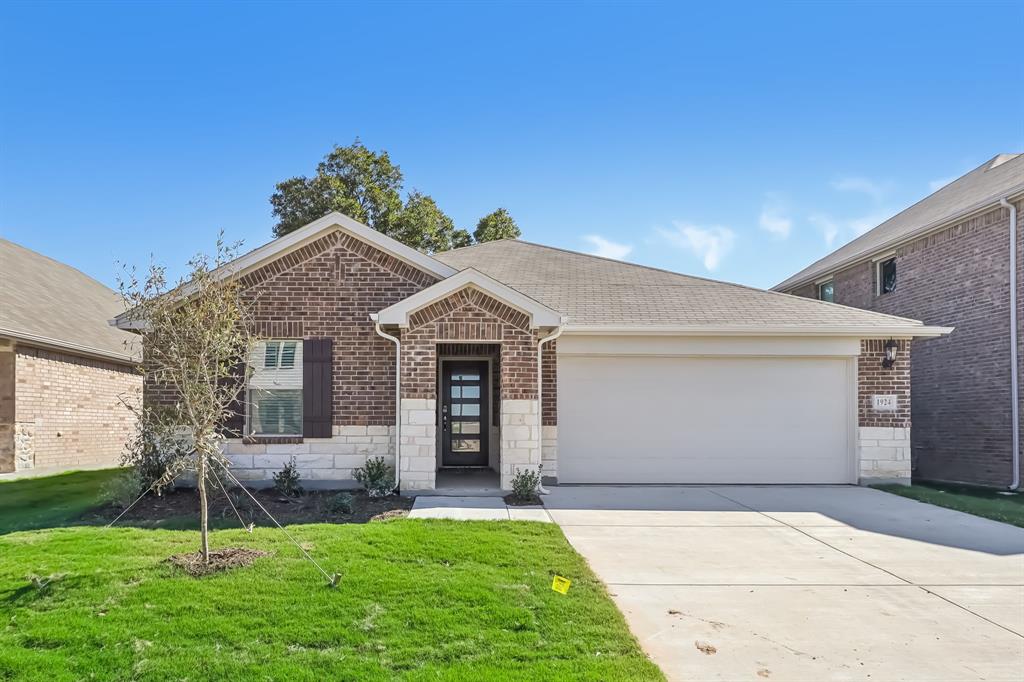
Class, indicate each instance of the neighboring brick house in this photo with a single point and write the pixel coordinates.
(66, 375)
(945, 260)
(369, 348)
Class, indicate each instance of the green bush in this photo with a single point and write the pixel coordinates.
(340, 504)
(286, 481)
(525, 483)
(124, 489)
(377, 477)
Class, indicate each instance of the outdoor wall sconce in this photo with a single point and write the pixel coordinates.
(890, 354)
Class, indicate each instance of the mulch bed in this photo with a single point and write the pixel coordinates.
(514, 500)
(315, 506)
(220, 560)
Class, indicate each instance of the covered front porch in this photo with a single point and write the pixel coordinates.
(469, 383)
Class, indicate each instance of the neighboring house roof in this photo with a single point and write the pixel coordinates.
(51, 304)
(603, 295)
(999, 177)
(539, 314)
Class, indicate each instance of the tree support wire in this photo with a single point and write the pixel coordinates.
(332, 579)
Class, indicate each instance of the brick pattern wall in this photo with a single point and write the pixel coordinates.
(6, 406)
(549, 381)
(469, 315)
(874, 379)
(68, 409)
(961, 383)
(328, 288)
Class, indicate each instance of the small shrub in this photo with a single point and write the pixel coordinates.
(377, 477)
(124, 489)
(153, 449)
(286, 481)
(340, 504)
(525, 483)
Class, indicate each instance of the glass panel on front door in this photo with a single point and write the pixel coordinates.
(463, 413)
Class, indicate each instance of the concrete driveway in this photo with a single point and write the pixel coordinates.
(804, 583)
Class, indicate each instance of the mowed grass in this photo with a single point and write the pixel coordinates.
(49, 501)
(417, 600)
(973, 500)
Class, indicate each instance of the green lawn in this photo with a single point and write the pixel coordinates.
(978, 501)
(48, 501)
(417, 600)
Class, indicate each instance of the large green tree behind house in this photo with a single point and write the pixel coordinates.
(497, 225)
(367, 186)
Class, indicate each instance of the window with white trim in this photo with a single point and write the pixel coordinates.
(275, 389)
(826, 291)
(886, 276)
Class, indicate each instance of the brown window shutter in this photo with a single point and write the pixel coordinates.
(234, 424)
(316, 388)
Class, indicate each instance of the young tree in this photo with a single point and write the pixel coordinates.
(497, 225)
(196, 336)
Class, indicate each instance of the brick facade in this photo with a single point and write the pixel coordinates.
(874, 379)
(69, 410)
(961, 383)
(329, 288)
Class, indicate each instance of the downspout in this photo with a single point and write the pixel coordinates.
(398, 399)
(1014, 388)
(540, 392)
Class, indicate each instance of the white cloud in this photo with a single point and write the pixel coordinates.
(711, 244)
(875, 190)
(829, 227)
(774, 220)
(607, 248)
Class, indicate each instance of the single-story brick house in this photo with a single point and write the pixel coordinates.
(948, 259)
(506, 355)
(65, 374)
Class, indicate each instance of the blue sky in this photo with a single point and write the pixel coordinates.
(727, 140)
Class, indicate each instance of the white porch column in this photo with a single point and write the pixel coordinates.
(520, 438)
(419, 443)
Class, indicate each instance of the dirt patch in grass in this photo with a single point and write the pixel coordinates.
(180, 507)
(220, 560)
(514, 500)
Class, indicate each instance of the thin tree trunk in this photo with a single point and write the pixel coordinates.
(203, 514)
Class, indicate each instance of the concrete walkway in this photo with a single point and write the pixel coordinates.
(804, 583)
(474, 509)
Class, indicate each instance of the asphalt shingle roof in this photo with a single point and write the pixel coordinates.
(47, 301)
(1000, 176)
(595, 291)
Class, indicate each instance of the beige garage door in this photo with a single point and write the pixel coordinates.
(705, 420)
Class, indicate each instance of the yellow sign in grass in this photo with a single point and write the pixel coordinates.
(560, 584)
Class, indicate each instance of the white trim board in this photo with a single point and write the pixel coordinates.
(540, 315)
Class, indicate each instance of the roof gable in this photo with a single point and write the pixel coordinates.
(538, 314)
(264, 255)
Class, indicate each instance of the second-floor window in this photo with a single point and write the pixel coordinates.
(826, 291)
(887, 276)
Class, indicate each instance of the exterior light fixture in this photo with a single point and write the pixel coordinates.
(890, 354)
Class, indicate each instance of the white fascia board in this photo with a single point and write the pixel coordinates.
(864, 332)
(68, 346)
(303, 236)
(540, 315)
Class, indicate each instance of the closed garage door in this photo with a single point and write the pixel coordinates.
(704, 420)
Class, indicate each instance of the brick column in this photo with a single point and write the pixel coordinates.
(883, 414)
